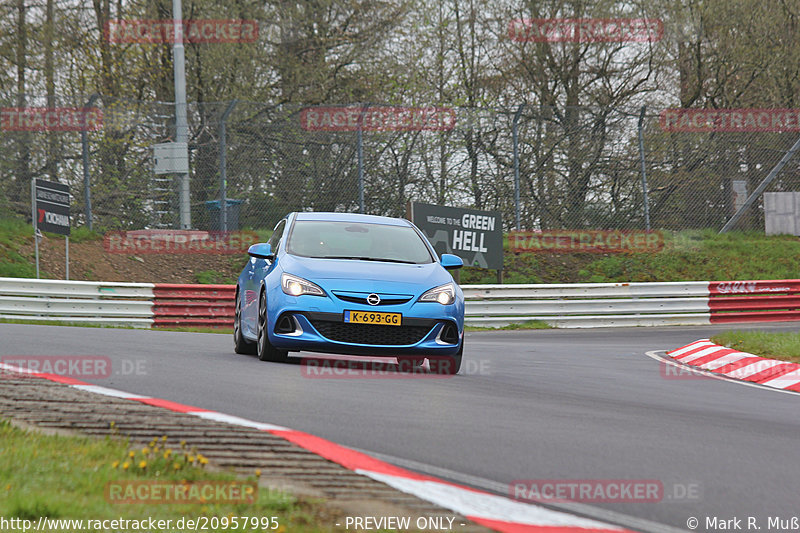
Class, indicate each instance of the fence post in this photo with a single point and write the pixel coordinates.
(87, 191)
(515, 136)
(181, 124)
(644, 171)
(360, 142)
(223, 172)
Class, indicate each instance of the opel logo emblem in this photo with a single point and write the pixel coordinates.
(373, 299)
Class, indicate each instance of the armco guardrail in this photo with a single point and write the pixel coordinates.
(577, 305)
(754, 301)
(193, 305)
(128, 304)
(586, 305)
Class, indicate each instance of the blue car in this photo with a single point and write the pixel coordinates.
(344, 283)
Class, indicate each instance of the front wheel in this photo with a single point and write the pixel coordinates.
(265, 350)
(448, 365)
(240, 344)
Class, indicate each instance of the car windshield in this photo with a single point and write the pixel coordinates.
(357, 240)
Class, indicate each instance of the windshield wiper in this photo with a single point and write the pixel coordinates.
(363, 258)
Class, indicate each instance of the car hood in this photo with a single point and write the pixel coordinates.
(366, 276)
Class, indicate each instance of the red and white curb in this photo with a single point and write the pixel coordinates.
(744, 366)
(495, 512)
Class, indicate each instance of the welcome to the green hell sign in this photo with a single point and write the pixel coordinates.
(596, 241)
(475, 236)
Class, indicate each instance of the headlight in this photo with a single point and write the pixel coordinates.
(296, 286)
(444, 294)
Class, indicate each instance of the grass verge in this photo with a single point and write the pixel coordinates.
(784, 346)
(528, 324)
(14, 236)
(66, 477)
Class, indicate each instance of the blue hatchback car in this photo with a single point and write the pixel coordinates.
(351, 284)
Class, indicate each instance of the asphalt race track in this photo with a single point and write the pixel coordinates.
(535, 405)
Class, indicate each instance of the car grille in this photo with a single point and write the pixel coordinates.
(363, 300)
(370, 334)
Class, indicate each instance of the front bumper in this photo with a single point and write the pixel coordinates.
(326, 332)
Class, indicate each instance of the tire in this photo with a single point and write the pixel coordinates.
(447, 365)
(240, 344)
(265, 350)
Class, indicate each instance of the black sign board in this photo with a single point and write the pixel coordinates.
(52, 207)
(475, 236)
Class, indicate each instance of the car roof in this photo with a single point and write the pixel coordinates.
(352, 217)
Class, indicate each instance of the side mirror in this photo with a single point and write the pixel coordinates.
(451, 262)
(261, 250)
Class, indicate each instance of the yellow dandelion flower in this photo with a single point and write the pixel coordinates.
(112, 424)
(258, 472)
(131, 454)
(176, 465)
(168, 452)
(190, 458)
(125, 465)
(164, 438)
(145, 451)
(183, 444)
(142, 464)
(115, 464)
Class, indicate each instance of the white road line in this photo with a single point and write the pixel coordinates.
(109, 392)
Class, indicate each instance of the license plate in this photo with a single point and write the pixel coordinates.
(370, 317)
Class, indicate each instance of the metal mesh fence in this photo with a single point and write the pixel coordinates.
(577, 167)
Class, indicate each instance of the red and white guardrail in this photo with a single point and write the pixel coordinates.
(576, 305)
